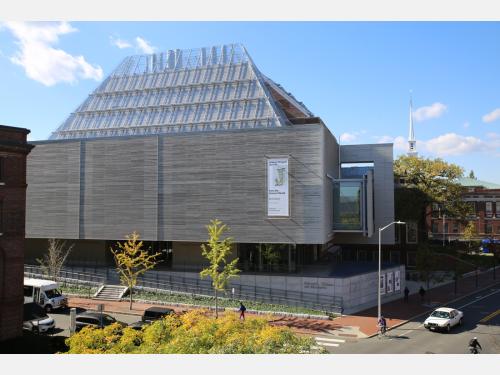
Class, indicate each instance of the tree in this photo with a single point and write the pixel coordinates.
(271, 255)
(469, 232)
(53, 261)
(132, 261)
(472, 175)
(428, 181)
(217, 252)
(426, 264)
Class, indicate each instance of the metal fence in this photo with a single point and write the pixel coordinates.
(168, 283)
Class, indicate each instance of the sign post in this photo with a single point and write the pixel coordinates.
(72, 321)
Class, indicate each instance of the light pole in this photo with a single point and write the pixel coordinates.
(444, 225)
(380, 262)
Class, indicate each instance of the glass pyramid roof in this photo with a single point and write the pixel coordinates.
(205, 89)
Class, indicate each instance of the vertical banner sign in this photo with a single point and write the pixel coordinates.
(397, 281)
(382, 284)
(277, 187)
(389, 283)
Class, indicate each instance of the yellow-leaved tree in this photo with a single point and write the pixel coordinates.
(217, 252)
(132, 261)
(469, 233)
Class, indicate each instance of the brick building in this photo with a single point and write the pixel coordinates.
(484, 197)
(13, 152)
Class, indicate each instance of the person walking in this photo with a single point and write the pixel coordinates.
(242, 311)
(422, 293)
(407, 292)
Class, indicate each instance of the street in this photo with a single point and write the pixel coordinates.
(481, 319)
(62, 320)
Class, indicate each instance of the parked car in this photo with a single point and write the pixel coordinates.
(36, 319)
(96, 320)
(150, 315)
(443, 319)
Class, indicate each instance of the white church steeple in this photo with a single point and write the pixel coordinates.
(412, 143)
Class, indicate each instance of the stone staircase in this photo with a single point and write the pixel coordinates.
(110, 292)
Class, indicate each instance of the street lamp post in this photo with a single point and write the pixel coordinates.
(444, 225)
(380, 262)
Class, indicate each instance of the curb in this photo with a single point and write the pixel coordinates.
(427, 311)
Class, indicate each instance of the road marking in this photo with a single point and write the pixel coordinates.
(489, 317)
(318, 338)
(472, 302)
(328, 344)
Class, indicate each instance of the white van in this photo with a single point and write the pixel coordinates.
(45, 293)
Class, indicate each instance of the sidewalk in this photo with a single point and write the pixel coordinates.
(360, 325)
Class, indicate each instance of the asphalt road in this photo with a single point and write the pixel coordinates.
(62, 320)
(481, 319)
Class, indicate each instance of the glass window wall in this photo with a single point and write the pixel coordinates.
(347, 205)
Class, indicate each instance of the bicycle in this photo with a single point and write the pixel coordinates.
(382, 329)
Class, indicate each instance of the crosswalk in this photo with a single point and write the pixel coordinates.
(327, 342)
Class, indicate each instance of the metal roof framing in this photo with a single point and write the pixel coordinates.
(205, 89)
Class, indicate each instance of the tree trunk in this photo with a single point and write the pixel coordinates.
(216, 306)
(131, 290)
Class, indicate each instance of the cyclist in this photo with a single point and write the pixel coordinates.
(382, 324)
(473, 345)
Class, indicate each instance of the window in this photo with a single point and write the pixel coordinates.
(455, 227)
(436, 210)
(28, 291)
(489, 209)
(347, 205)
(411, 232)
(488, 228)
(434, 227)
(1, 168)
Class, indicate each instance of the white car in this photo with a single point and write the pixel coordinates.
(40, 325)
(443, 319)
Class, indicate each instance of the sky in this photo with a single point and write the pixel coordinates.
(356, 76)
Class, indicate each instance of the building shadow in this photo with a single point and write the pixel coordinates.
(30, 343)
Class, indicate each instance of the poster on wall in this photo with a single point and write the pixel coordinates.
(397, 281)
(389, 283)
(382, 284)
(277, 187)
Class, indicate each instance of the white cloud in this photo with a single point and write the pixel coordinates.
(120, 43)
(144, 46)
(452, 144)
(348, 137)
(400, 143)
(351, 137)
(433, 111)
(466, 125)
(492, 116)
(44, 63)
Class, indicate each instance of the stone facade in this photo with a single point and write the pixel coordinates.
(13, 152)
